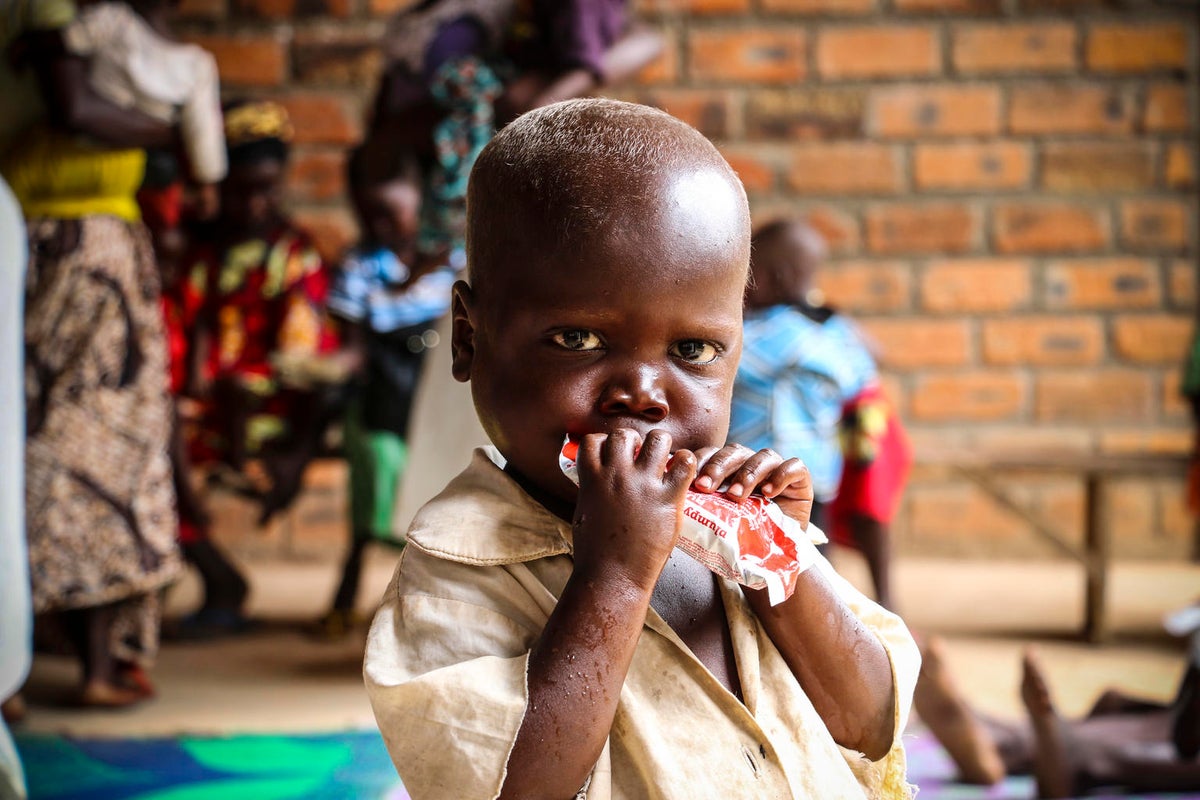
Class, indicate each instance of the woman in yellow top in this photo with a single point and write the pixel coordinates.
(99, 496)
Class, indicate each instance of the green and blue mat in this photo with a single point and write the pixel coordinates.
(349, 765)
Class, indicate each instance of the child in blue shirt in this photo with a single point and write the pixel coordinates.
(388, 313)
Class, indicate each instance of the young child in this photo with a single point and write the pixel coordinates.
(808, 385)
(387, 321)
(543, 640)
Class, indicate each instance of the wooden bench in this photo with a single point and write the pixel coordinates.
(983, 469)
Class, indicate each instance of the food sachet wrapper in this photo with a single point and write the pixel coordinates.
(752, 542)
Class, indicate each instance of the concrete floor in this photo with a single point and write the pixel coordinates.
(276, 679)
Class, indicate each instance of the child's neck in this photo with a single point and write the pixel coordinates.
(556, 506)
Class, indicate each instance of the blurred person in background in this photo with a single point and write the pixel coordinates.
(807, 384)
(250, 298)
(98, 495)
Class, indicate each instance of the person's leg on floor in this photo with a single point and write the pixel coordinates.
(90, 631)
(941, 705)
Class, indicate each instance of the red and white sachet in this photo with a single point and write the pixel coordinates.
(752, 542)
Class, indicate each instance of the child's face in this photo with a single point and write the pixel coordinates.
(388, 214)
(636, 327)
(251, 195)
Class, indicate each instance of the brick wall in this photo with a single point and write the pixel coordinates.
(1009, 187)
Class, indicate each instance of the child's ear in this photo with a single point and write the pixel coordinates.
(462, 332)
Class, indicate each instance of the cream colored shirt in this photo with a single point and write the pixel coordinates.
(132, 66)
(447, 654)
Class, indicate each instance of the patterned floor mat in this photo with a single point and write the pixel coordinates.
(351, 765)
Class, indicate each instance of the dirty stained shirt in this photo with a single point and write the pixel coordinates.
(447, 654)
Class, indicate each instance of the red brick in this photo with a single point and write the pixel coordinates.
(708, 111)
(975, 285)
(758, 55)
(919, 111)
(1156, 224)
(1036, 47)
(909, 343)
(806, 114)
(1179, 166)
(866, 287)
(1077, 167)
(1049, 228)
(386, 8)
(1102, 284)
(333, 229)
(201, 9)
(878, 52)
(701, 7)
(840, 229)
(317, 175)
(247, 59)
(941, 512)
(1166, 108)
(332, 58)
(1069, 108)
(1156, 339)
(1174, 404)
(947, 6)
(972, 166)
(756, 172)
(665, 68)
(1043, 341)
(845, 168)
(1094, 396)
(1136, 48)
(266, 9)
(1181, 280)
(922, 228)
(323, 118)
(821, 7)
(969, 397)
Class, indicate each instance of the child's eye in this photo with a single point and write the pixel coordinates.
(695, 351)
(577, 340)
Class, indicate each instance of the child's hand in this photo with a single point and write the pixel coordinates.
(629, 506)
(741, 472)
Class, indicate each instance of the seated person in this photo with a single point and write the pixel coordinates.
(544, 640)
(251, 295)
(1137, 744)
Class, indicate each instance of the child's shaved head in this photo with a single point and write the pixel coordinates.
(608, 245)
(564, 173)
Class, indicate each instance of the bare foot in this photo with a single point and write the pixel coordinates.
(1051, 762)
(13, 709)
(942, 707)
(100, 694)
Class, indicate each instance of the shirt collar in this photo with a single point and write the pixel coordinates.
(484, 517)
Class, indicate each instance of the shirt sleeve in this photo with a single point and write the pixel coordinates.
(445, 672)
(96, 27)
(886, 778)
(350, 290)
(201, 123)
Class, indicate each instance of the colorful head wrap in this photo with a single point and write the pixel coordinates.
(257, 130)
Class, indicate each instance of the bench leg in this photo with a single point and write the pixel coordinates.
(1097, 546)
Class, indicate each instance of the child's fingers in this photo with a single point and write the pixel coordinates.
(790, 479)
(753, 471)
(656, 449)
(620, 446)
(681, 470)
(720, 465)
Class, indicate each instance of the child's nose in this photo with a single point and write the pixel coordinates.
(637, 393)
